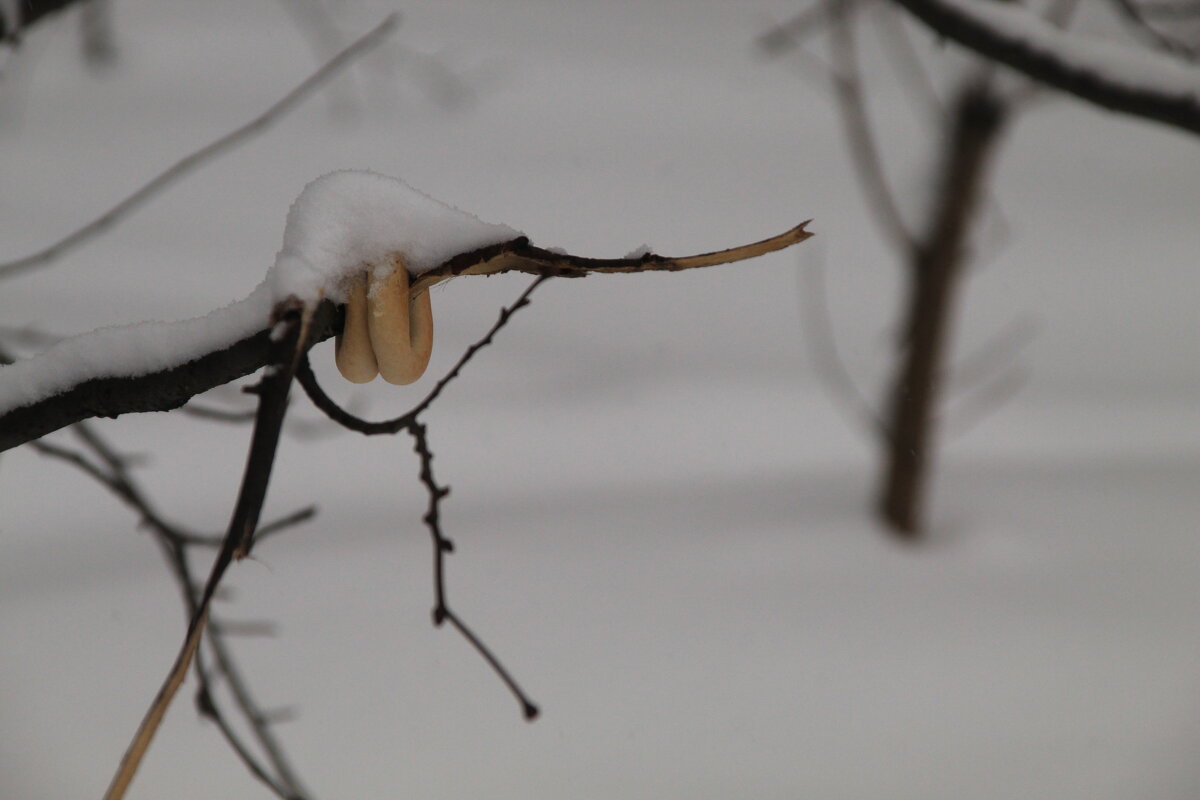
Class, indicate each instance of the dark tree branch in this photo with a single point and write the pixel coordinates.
(914, 76)
(286, 350)
(1037, 49)
(977, 119)
(172, 387)
(156, 391)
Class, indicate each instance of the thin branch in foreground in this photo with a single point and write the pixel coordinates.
(191, 162)
(294, 321)
(442, 545)
(175, 541)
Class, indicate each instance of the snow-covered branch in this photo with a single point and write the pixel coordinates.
(1140, 82)
(342, 226)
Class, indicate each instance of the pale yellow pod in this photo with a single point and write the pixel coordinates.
(401, 329)
(353, 352)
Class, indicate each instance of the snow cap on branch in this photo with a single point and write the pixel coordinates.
(350, 220)
(341, 224)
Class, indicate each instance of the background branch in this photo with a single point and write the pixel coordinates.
(110, 469)
(1143, 84)
(193, 161)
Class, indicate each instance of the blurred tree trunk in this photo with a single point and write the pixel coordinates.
(975, 122)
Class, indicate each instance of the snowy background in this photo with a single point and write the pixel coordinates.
(661, 518)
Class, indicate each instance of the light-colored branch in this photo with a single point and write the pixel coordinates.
(193, 161)
(519, 255)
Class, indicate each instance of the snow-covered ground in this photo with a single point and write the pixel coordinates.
(661, 520)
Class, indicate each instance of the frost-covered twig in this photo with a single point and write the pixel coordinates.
(1140, 82)
(194, 160)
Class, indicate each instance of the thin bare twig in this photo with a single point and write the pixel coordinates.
(442, 545)
(894, 36)
(175, 541)
(985, 400)
(200, 411)
(994, 356)
(194, 160)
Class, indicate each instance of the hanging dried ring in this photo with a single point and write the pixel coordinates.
(386, 331)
